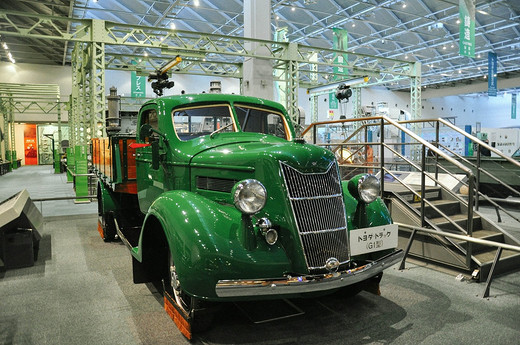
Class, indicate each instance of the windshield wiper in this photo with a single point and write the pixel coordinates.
(220, 129)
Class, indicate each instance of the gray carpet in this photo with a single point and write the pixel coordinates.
(80, 291)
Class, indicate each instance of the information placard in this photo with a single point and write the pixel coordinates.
(373, 239)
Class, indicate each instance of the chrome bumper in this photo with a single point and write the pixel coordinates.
(304, 284)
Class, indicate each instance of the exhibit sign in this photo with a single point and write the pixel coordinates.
(138, 86)
(492, 74)
(513, 106)
(467, 28)
(373, 239)
(340, 42)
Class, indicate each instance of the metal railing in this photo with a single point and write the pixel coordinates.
(396, 148)
(500, 247)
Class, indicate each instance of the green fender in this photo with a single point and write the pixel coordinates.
(210, 241)
(105, 197)
(360, 215)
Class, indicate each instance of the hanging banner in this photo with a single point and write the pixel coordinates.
(340, 42)
(492, 74)
(333, 101)
(30, 145)
(513, 106)
(467, 28)
(138, 86)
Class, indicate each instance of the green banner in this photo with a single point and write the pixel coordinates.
(340, 42)
(333, 101)
(492, 75)
(467, 28)
(513, 106)
(138, 86)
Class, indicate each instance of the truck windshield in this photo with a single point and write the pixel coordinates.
(258, 120)
(194, 122)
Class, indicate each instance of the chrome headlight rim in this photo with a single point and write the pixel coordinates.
(249, 196)
(369, 187)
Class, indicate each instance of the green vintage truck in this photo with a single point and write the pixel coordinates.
(226, 204)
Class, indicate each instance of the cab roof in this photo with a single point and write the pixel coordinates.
(177, 100)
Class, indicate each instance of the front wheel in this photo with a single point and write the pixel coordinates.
(200, 315)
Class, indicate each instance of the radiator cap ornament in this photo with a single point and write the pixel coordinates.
(332, 264)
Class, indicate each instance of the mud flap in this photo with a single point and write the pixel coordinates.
(181, 319)
(100, 229)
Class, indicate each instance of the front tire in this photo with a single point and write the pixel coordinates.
(200, 314)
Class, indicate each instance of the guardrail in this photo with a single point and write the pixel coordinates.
(41, 200)
(361, 130)
(411, 152)
(500, 247)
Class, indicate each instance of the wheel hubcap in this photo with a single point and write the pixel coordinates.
(174, 279)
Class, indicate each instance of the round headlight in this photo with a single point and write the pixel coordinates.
(249, 196)
(368, 188)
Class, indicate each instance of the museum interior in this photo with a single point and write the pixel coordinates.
(259, 172)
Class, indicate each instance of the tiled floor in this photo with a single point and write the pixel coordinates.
(80, 291)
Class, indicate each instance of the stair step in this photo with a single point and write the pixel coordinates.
(509, 260)
(484, 234)
(488, 256)
(431, 192)
(459, 218)
(448, 207)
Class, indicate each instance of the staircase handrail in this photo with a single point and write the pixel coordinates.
(396, 124)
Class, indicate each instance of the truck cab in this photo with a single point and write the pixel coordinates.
(229, 205)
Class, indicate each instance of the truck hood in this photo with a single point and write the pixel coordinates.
(258, 154)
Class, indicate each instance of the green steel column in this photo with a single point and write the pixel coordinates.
(12, 142)
(415, 106)
(280, 35)
(97, 94)
(314, 108)
(356, 102)
(70, 164)
(292, 81)
(74, 109)
(3, 126)
(82, 119)
(57, 146)
(81, 165)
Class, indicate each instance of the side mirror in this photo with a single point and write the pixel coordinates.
(145, 131)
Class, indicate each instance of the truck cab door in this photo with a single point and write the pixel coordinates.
(150, 174)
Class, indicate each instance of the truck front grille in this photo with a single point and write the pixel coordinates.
(318, 208)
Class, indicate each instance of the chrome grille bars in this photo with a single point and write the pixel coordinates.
(318, 208)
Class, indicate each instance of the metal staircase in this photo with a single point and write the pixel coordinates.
(428, 184)
(450, 215)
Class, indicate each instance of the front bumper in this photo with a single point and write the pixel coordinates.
(305, 284)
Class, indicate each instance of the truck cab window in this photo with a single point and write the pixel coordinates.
(194, 122)
(261, 121)
(150, 117)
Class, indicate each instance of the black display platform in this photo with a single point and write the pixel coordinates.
(20, 221)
